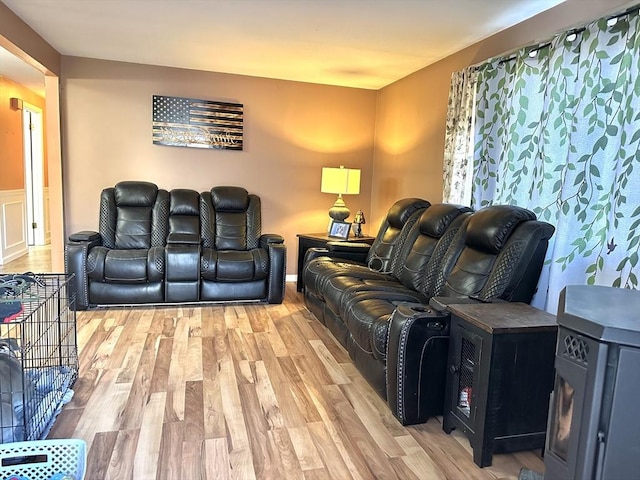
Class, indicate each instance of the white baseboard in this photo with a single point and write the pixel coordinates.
(291, 278)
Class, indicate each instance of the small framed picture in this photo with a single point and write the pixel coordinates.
(340, 230)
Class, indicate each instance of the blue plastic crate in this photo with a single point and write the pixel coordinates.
(42, 459)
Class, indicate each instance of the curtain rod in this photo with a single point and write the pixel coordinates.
(545, 43)
(626, 12)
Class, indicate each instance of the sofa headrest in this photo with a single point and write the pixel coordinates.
(230, 199)
(489, 228)
(436, 219)
(402, 210)
(184, 202)
(135, 194)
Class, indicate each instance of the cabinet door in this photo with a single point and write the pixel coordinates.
(466, 368)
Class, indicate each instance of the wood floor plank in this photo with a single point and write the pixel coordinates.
(300, 393)
(332, 367)
(288, 331)
(372, 421)
(119, 352)
(266, 461)
(192, 362)
(122, 458)
(99, 454)
(213, 413)
(358, 435)
(194, 412)
(140, 386)
(292, 416)
(215, 460)
(333, 463)
(232, 407)
(190, 460)
(280, 440)
(102, 357)
(104, 407)
(279, 346)
(160, 376)
(305, 448)
(148, 447)
(170, 456)
(267, 398)
(66, 423)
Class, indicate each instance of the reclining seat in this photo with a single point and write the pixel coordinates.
(497, 254)
(237, 261)
(340, 257)
(122, 263)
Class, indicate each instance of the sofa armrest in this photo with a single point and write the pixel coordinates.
(183, 239)
(277, 250)
(267, 239)
(416, 362)
(85, 236)
(75, 262)
(339, 250)
(348, 247)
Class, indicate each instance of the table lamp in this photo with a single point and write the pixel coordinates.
(343, 181)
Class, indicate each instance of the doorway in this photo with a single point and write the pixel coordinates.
(37, 205)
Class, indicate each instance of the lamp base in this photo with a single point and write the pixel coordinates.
(339, 212)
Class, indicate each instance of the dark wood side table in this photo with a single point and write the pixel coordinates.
(311, 240)
(501, 372)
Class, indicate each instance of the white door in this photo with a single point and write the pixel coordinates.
(34, 174)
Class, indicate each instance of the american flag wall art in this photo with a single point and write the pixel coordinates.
(188, 122)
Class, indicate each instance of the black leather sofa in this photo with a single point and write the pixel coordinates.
(153, 247)
(448, 254)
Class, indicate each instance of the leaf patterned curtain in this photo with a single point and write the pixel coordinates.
(458, 143)
(558, 131)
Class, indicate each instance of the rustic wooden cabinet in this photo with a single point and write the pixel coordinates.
(500, 375)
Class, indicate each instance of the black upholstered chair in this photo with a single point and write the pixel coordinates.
(238, 261)
(124, 262)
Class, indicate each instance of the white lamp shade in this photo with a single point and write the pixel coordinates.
(345, 181)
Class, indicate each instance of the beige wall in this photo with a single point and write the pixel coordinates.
(411, 113)
(291, 130)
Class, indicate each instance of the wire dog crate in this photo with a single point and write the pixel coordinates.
(38, 357)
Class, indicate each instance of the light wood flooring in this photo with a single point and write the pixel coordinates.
(37, 260)
(241, 392)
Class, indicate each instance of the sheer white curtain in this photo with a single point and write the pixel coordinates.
(458, 149)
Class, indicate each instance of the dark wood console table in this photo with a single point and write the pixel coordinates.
(319, 240)
(501, 372)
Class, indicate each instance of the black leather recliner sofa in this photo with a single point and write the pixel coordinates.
(450, 254)
(154, 246)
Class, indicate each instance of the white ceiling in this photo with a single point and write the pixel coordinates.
(355, 43)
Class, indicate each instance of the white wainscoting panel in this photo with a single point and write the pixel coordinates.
(13, 225)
